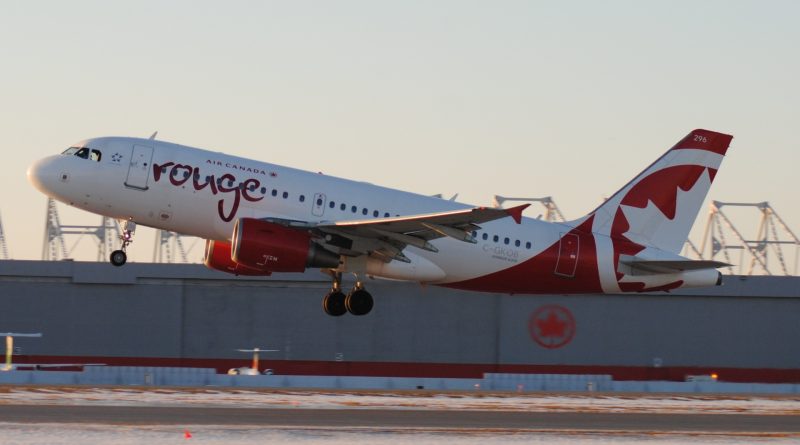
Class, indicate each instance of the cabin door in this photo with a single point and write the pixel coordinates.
(139, 169)
(568, 249)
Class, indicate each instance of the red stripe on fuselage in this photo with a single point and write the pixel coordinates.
(538, 274)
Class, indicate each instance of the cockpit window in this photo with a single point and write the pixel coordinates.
(84, 152)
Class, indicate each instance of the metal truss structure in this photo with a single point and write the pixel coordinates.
(551, 214)
(55, 246)
(757, 255)
(3, 246)
(169, 246)
(762, 254)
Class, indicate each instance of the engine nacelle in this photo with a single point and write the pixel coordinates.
(218, 257)
(266, 246)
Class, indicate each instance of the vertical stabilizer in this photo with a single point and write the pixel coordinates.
(658, 207)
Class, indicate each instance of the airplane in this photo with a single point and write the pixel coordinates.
(259, 218)
(252, 369)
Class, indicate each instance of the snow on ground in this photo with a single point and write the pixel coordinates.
(56, 434)
(584, 402)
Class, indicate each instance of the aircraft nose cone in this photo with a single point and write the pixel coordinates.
(43, 175)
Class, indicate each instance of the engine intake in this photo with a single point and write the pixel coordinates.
(218, 257)
(266, 246)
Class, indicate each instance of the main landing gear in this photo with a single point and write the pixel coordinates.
(119, 257)
(357, 302)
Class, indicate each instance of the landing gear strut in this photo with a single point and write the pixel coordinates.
(119, 257)
(357, 302)
(333, 303)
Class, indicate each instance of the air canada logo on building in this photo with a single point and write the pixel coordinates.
(552, 326)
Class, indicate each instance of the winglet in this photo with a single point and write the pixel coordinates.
(516, 212)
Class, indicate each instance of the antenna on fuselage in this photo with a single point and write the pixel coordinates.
(153, 136)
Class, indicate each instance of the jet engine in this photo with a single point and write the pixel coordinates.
(266, 246)
(218, 257)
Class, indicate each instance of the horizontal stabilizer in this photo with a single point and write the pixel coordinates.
(672, 266)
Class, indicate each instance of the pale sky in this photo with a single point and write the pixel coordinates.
(526, 98)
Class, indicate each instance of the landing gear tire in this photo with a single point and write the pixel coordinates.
(118, 258)
(334, 303)
(359, 302)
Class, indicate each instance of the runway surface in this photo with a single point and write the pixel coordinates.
(384, 418)
(131, 415)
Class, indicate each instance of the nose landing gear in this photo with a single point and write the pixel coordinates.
(119, 257)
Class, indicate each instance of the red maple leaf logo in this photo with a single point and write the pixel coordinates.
(552, 326)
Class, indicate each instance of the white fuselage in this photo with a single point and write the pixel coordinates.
(203, 193)
(117, 188)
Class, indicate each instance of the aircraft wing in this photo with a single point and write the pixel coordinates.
(386, 238)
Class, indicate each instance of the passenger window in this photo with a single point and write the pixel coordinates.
(506, 241)
(319, 201)
(386, 215)
(331, 204)
(485, 236)
(354, 209)
(285, 195)
(263, 190)
(302, 198)
(474, 233)
(517, 243)
(528, 245)
(343, 207)
(95, 156)
(274, 192)
(495, 238)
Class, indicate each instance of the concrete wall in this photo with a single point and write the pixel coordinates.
(188, 312)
